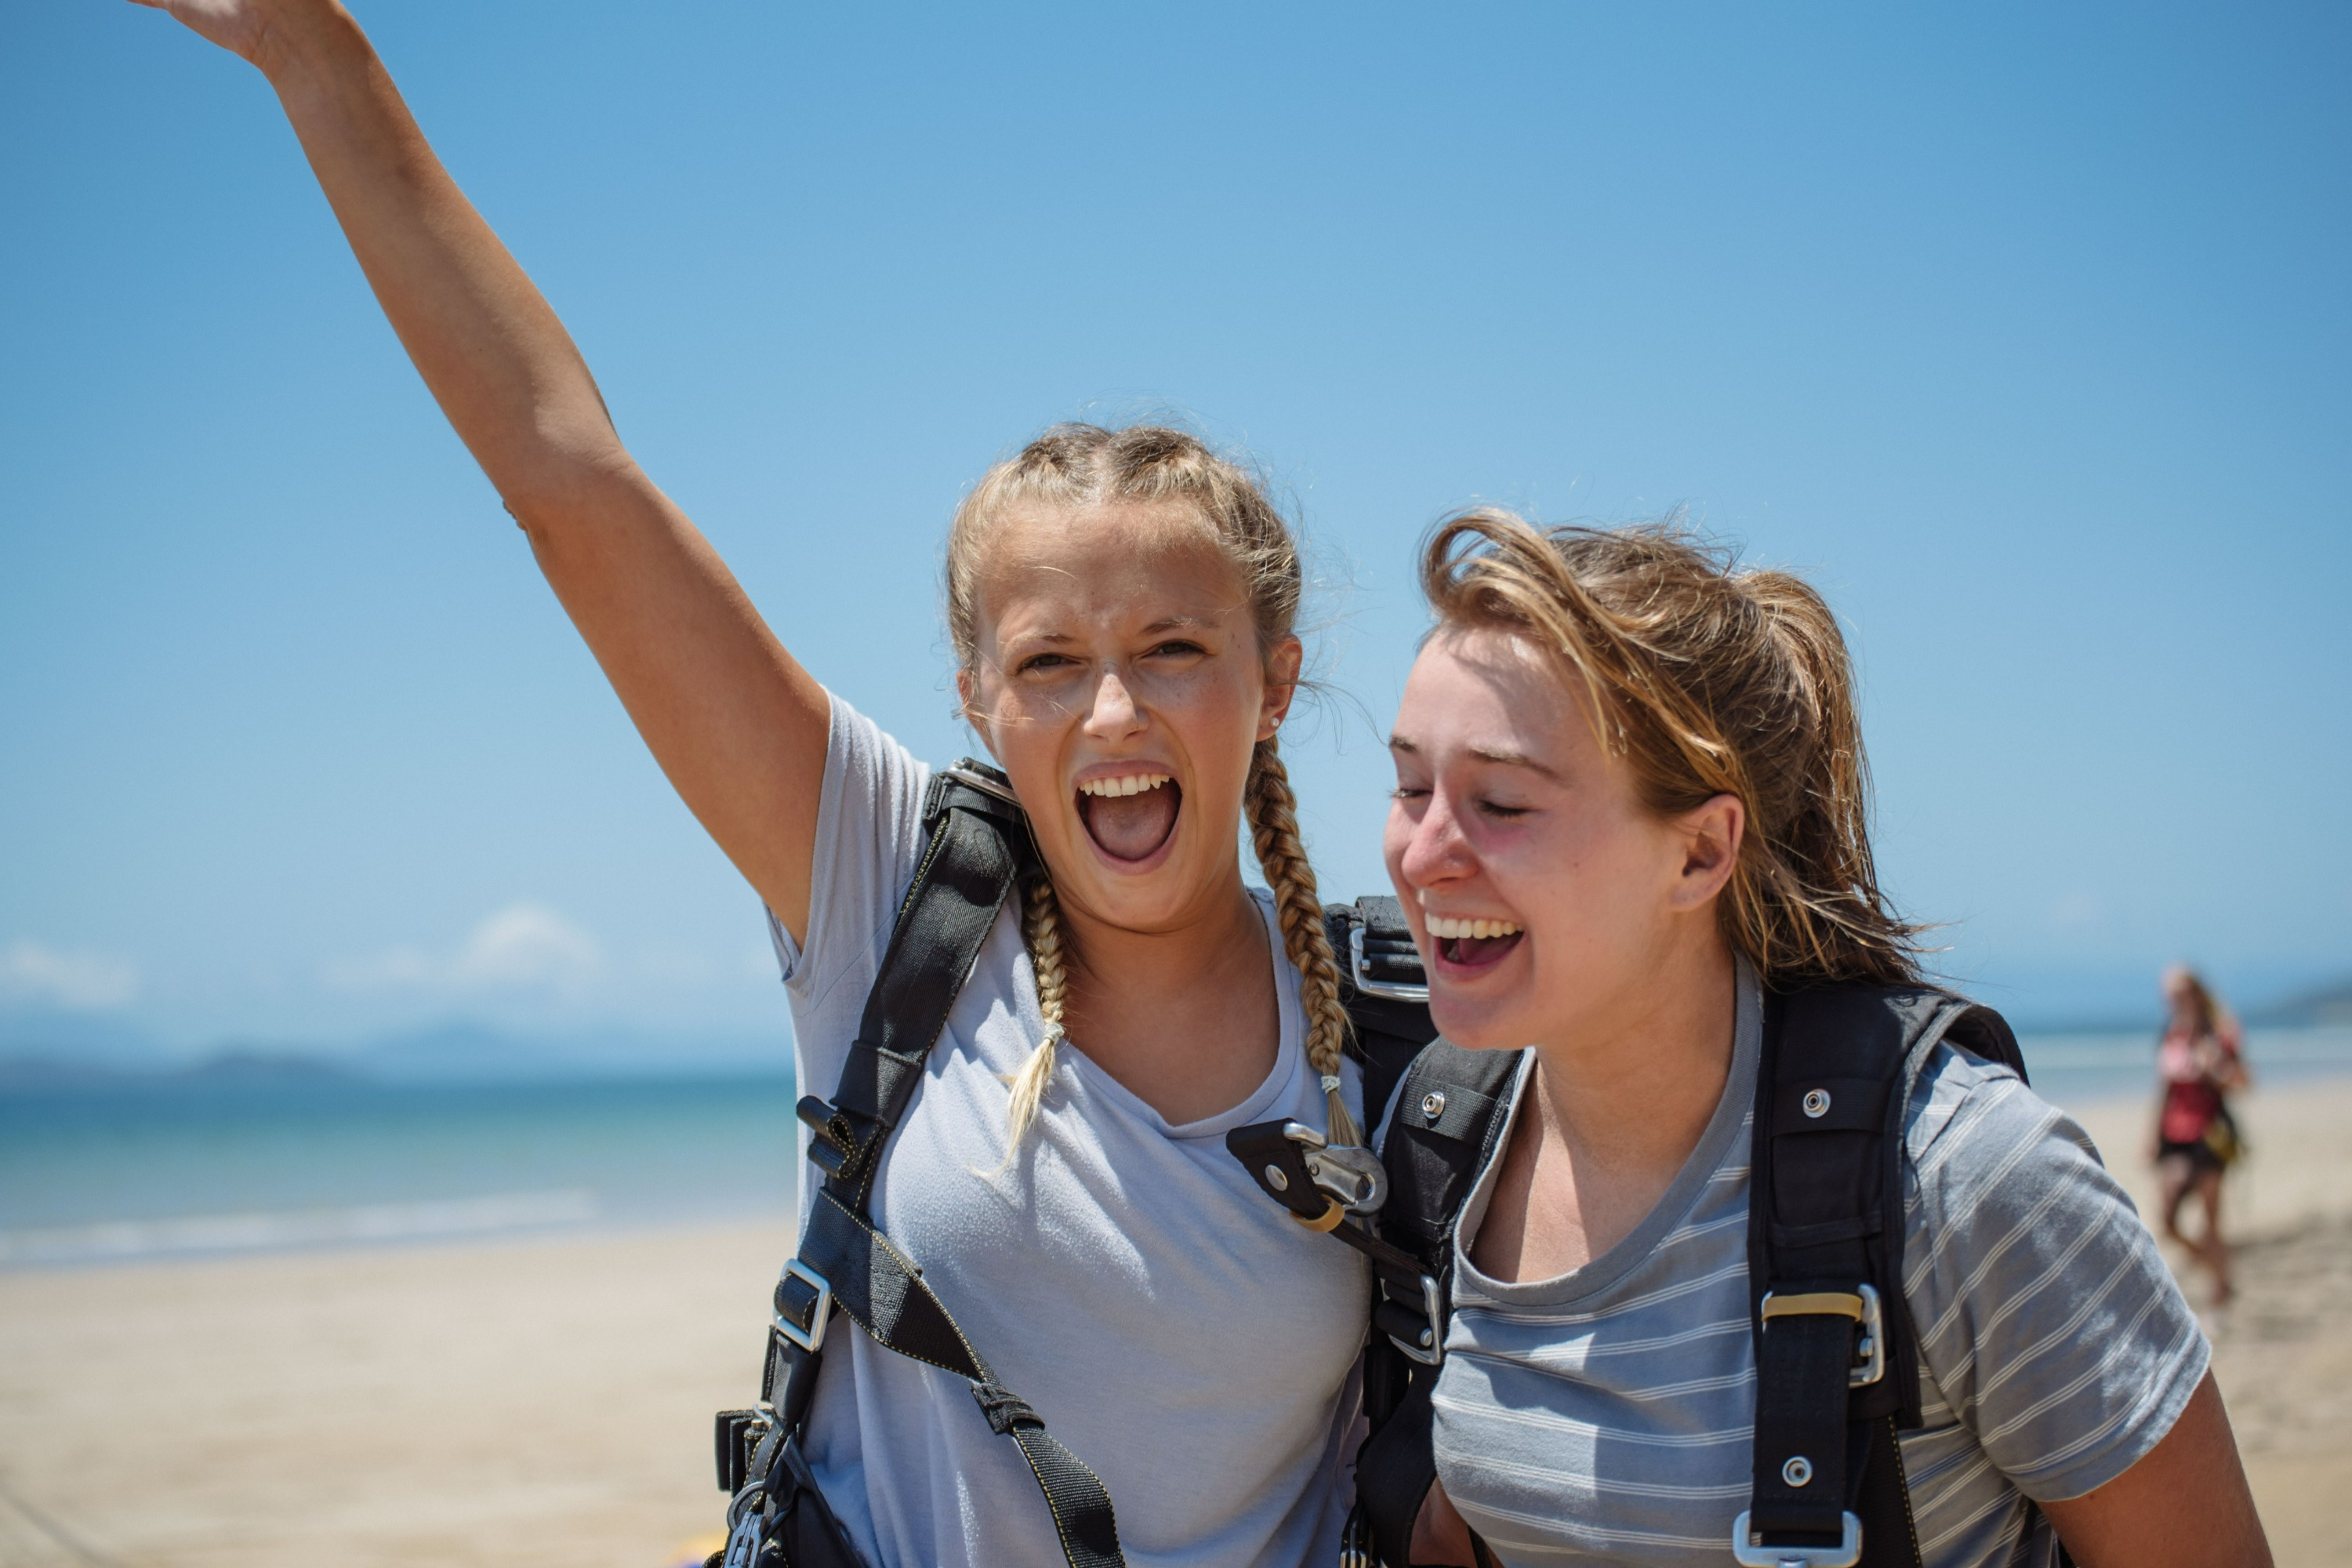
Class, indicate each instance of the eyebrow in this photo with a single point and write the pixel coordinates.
(1165, 624)
(1405, 743)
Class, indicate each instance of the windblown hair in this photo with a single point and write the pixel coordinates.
(1707, 680)
(2211, 1015)
(1082, 465)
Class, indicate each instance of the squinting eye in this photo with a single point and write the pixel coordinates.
(1408, 792)
(1175, 647)
(1043, 661)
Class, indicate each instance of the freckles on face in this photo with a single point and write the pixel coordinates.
(1525, 862)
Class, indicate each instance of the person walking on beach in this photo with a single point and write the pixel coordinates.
(1121, 607)
(2199, 1062)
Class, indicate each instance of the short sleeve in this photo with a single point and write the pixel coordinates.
(869, 829)
(2045, 1313)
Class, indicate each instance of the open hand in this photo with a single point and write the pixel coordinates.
(248, 29)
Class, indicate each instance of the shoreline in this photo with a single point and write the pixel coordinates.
(544, 1397)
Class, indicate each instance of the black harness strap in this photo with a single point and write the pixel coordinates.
(1836, 1363)
(978, 850)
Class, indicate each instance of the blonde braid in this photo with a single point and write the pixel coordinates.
(1041, 928)
(1273, 830)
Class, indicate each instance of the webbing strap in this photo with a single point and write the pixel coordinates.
(967, 872)
(978, 843)
(876, 1285)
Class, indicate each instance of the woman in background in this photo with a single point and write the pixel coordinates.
(2200, 1064)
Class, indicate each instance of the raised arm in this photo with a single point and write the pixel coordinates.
(737, 724)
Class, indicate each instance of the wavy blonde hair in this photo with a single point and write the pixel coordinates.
(1073, 466)
(1707, 680)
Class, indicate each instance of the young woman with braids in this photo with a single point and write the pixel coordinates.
(1631, 797)
(1121, 606)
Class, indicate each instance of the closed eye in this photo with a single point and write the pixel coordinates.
(1501, 813)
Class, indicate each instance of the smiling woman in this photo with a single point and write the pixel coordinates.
(1631, 833)
(1121, 604)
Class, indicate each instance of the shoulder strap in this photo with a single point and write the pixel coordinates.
(978, 846)
(1384, 991)
(1836, 1361)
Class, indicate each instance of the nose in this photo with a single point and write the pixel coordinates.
(1436, 850)
(1113, 714)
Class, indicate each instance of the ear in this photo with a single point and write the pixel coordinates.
(968, 701)
(1710, 832)
(1283, 663)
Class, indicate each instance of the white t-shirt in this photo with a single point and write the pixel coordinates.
(1171, 1323)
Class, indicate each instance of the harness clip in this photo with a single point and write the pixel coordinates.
(1862, 1304)
(1749, 1553)
(1432, 1351)
(1359, 970)
(1350, 1175)
(810, 1335)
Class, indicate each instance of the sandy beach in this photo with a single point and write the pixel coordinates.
(547, 1402)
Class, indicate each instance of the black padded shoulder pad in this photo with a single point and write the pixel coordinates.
(1448, 1120)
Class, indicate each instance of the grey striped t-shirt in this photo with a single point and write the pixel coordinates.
(1605, 1415)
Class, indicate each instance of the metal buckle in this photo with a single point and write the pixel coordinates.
(983, 784)
(1748, 1552)
(1371, 988)
(1862, 1304)
(1350, 1175)
(820, 1314)
(1428, 1310)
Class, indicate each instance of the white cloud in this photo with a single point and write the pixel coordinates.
(523, 946)
(78, 982)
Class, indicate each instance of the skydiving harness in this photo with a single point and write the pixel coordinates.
(979, 848)
(1837, 1363)
(978, 851)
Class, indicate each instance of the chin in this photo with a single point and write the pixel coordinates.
(1476, 1026)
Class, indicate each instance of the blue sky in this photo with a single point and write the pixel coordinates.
(2025, 334)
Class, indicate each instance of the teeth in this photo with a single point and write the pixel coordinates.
(1442, 927)
(1133, 784)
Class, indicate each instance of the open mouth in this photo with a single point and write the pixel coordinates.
(1473, 943)
(1129, 817)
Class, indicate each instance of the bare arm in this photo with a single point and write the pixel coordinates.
(2185, 1505)
(737, 724)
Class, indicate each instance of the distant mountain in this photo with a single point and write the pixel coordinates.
(37, 1053)
(463, 1052)
(2327, 1004)
(233, 1069)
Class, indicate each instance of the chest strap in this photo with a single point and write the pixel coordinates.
(978, 850)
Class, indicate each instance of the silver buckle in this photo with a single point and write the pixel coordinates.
(1869, 1326)
(983, 784)
(1871, 1353)
(1371, 988)
(820, 1314)
(1748, 1552)
(1350, 1175)
(1436, 1351)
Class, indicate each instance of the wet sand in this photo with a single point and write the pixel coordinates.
(546, 1402)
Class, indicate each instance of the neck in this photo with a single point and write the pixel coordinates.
(1632, 1087)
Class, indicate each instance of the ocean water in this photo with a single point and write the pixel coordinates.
(137, 1169)
(162, 1170)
